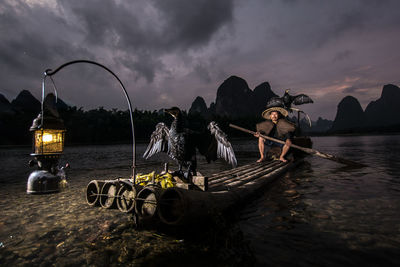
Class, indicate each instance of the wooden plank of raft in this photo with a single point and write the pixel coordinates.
(241, 175)
(200, 182)
(237, 171)
(234, 169)
(234, 175)
(251, 169)
(191, 206)
(231, 171)
(250, 175)
(237, 184)
(247, 178)
(248, 189)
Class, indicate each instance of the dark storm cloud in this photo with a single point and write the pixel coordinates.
(104, 23)
(349, 20)
(320, 48)
(308, 24)
(343, 55)
(182, 24)
(176, 26)
(169, 51)
(116, 28)
(203, 72)
(136, 35)
(193, 23)
(143, 63)
(21, 40)
(31, 40)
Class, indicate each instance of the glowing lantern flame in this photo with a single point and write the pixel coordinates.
(48, 141)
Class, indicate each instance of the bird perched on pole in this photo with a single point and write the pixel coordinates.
(181, 143)
(287, 100)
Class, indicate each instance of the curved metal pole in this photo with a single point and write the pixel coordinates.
(43, 87)
(50, 72)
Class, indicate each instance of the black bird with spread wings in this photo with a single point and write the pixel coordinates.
(287, 100)
(180, 143)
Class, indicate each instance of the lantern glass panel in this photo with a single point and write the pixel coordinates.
(49, 141)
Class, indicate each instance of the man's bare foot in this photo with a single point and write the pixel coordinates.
(282, 159)
(260, 160)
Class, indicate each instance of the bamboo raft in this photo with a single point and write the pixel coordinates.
(187, 202)
(226, 190)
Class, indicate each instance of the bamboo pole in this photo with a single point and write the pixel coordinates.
(305, 149)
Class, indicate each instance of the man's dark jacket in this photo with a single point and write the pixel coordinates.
(284, 128)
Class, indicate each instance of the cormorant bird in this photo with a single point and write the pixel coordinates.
(180, 143)
(287, 100)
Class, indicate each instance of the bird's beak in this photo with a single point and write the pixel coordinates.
(169, 112)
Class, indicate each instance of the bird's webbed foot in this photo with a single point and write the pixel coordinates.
(191, 171)
(189, 175)
(185, 175)
(179, 173)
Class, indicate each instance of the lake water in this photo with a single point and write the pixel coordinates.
(320, 214)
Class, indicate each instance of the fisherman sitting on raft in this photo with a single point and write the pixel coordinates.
(276, 126)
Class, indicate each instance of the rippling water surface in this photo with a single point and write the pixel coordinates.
(327, 214)
(320, 214)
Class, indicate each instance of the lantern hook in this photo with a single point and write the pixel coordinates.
(50, 72)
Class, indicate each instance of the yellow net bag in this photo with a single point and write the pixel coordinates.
(164, 180)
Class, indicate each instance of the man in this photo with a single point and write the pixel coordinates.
(275, 126)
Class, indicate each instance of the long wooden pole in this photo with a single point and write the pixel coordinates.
(305, 149)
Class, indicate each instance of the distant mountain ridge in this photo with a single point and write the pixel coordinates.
(234, 99)
(350, 115)
(25, 102)
(16, 117)
(380, 114)
(384, 111)
(5, 106)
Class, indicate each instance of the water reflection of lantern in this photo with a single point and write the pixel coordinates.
(48, 144)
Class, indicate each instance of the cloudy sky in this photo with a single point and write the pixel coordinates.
(167, 52)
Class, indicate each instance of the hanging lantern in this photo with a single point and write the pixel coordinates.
(48, 144)
(48, 141)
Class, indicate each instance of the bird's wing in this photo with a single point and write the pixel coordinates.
(158, 141)
(275, 102)
(302, 99)
(220, 147)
